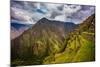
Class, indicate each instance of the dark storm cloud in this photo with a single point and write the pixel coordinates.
(31, 12)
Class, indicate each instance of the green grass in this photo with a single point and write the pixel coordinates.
(86, 52)
(79, 49)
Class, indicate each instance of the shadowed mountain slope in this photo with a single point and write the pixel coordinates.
(46, 37)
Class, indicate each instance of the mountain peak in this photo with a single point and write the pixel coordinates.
(43, 19)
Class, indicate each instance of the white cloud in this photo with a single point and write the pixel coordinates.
(24, 16)
(71, 8)
(50, 11)
(60, 18)
(20, 14)
(37, 5)
(52, 6)
(67, 11)
(83, 14)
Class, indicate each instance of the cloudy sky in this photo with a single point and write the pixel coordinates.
(26, 12)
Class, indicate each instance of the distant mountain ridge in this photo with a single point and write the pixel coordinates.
(17, 29)
(18, 25)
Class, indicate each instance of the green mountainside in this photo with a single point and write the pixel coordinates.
(55, 42)
(80, 44)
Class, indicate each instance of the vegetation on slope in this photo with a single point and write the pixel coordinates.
(43, 39)
(46, 43)
(80, 45)
(79, 49)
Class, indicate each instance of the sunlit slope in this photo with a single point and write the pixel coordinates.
(79, 45)
(78, 49)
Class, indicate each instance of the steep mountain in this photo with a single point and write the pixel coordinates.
(45, 38)
(79, 44)
(51, 41)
